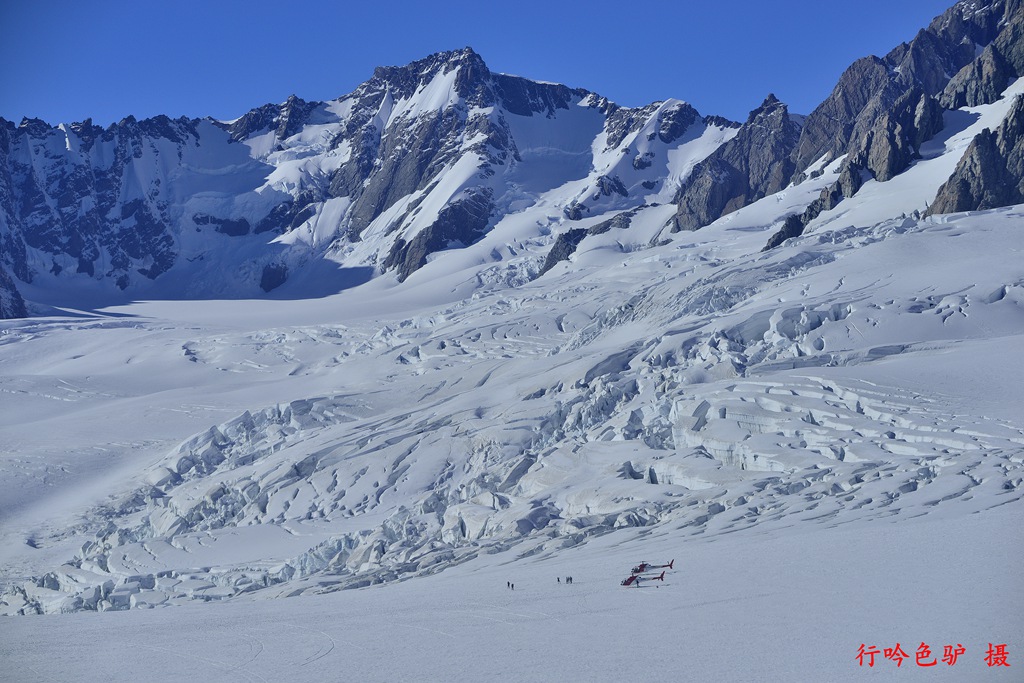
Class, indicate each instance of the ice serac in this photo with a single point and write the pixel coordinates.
(991, 173)
(752, 165)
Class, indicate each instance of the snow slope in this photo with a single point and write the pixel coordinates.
(826, 437)
(791, 604)
(417, 160)
(700, 387)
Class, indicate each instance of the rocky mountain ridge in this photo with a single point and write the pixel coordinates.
(415, 160)
(429, 157)
(879, 113)
(540, 362)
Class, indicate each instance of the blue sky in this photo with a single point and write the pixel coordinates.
(64, 61)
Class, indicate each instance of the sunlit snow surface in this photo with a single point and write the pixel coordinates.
(827, 438)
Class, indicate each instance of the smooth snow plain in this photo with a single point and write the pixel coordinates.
(827, 439)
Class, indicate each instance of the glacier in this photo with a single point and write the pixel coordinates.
(344, 475)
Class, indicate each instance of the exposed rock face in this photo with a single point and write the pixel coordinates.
(119, 203)
(564, 247)
(792, 227)
(851, 177)
(752, 165)
(672, 122)
(871, 87)
(428, 156)
(566, 243)
(984, 78)
(397, 153)
(883, 109)
(92, 201)
(883, 152)
(11, 303)
(458, 224)
(273, 276)
(892, 143)
(991, 172)
(980, 82)
(417, 159)
(1010, 41)
(827, 130)
(604, 186)
(632, 159)
(285, 119)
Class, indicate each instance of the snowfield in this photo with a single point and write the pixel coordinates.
(785, 604)
(825, 437)
(341, 481)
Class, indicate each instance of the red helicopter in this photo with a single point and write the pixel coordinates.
(634, 579)
(646, 566)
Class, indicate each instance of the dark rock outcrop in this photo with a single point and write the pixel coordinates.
(883, 109)
(987, 75)
(566, 243)
(671, 124)
(1010, 41)
(791, 227)
(879, 114)
(273, 276)
(604, 186)
(227, 226)
(71, 196)
(564, 247)
(991, 172)
(980, 82)
(11, 303)
(460, 223)
(89, 199)
(752, 165)
(284, 119)
(870, 87)
(892, 143)
(851, 177)
(408, 154)
(827, 130)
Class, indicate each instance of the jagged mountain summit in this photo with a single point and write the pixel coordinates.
(416, 160)
(532, 365)
(877, 117)
(433, 156)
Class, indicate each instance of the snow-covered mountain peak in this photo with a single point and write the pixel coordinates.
(463, 76)
(404, 81)
(417, 160)
(464, 339)
(432, 156)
